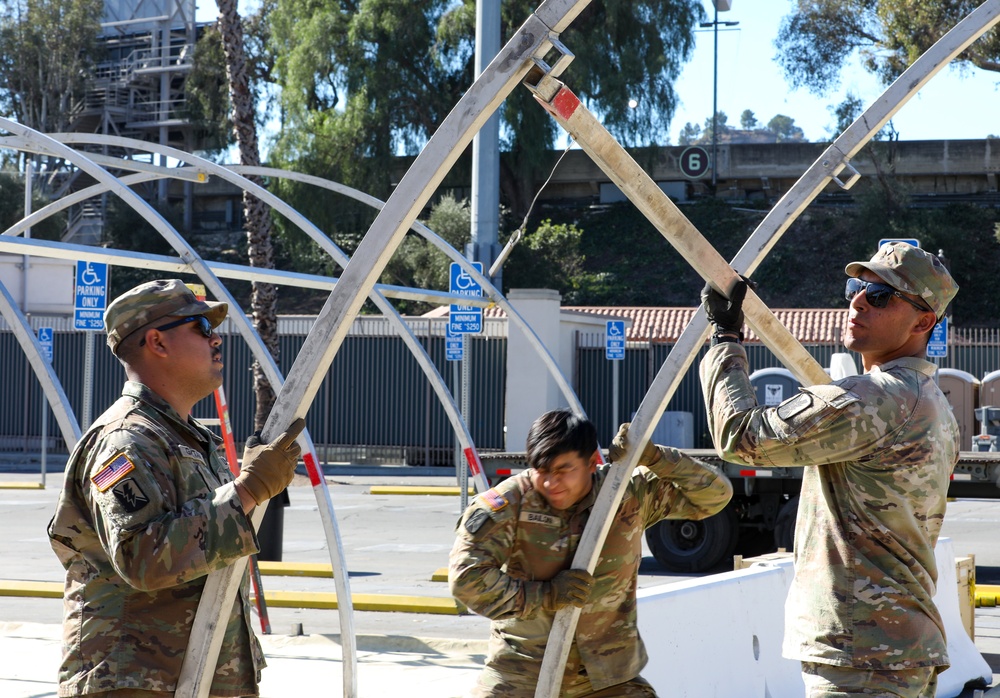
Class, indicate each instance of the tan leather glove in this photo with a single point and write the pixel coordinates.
(568, 588)
(268, 468)
(619, 447)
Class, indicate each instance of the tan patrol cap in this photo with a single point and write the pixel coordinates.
(151, 301)
(911, 270)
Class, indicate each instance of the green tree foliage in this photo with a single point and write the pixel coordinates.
(614, 256)
(208, 93)
(362, 82)
(12, 208)
(888, 35)
(47, 51)
(780, 129)
(784, 129)
(553, 256)
(418, 263)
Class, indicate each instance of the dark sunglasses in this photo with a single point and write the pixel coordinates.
(203, 325)
(877, 294)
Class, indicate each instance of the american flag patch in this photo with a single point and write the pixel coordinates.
(113, 471)
(496, 500)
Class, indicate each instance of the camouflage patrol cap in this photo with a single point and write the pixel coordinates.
(151, 301)
(911, 270)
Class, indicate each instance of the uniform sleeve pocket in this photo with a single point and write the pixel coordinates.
(808, 411)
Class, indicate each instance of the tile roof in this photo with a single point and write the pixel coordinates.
(808, 325)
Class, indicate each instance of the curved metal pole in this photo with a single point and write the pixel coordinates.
(454, 255)
(385, 234)
(219, 291)
(748, 258)
(327, 245)
(9, 242)
(44, 371)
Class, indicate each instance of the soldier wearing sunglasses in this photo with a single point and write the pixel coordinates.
(149, 507)
(877, 452)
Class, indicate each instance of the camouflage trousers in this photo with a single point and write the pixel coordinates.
(495, 685)
(829, 681)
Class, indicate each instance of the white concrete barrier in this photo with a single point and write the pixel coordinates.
(721, 635)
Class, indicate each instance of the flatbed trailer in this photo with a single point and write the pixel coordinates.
(761, 516)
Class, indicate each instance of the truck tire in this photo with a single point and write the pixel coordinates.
(784, 525)
(681, 545)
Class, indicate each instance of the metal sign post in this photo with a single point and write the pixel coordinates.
(614, 351)
(45, 339)
(88, 315)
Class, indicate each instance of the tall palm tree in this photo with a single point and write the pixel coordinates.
(264, 297)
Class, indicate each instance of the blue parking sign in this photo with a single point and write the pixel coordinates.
(45, 339)
(937, 346)
(614, 340)
(464, 319)
(91, 295)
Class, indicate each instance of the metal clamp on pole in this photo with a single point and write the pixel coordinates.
(838, 165)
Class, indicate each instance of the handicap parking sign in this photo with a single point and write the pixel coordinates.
(614, 340)
(91, 295)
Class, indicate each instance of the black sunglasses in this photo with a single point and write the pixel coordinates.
(877, 294)
(203, 325)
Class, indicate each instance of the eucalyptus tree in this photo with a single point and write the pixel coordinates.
(888, 35)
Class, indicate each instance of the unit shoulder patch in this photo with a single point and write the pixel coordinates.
(112, 472)
(130, 495)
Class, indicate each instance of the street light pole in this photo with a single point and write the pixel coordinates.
(726, 5)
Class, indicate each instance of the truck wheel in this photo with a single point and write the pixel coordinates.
(784, 525)
(680, 545)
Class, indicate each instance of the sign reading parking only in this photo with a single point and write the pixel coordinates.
(91, 295)
(464, 319)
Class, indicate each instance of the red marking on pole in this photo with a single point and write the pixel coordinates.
(474, 465)
(227, 430)
(748, 473)
(315, 476)
(565, 103)
(503, 471)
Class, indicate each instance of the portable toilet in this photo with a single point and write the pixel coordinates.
(989, 390)
(773, 385)
(962, 390)
(988, 415)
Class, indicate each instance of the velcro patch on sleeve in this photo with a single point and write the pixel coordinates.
(130, 495)
(112, 472)
(476, 520)
(494, 499)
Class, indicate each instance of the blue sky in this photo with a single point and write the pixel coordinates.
(955, 104)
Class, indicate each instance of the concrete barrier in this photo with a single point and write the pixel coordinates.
(721, 635)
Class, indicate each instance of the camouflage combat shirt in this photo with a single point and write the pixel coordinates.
(147, 510)
(881, 448)
(510, 541)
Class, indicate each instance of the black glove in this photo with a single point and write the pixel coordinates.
(568, 588)
(619, 447)
(726, 314)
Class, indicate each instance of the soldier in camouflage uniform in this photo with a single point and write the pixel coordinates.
(878, 451)
(515, 544)
(149, 508)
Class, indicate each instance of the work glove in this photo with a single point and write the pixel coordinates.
(726, 314)
(267, 469)
(568, 588)
(619, 447)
